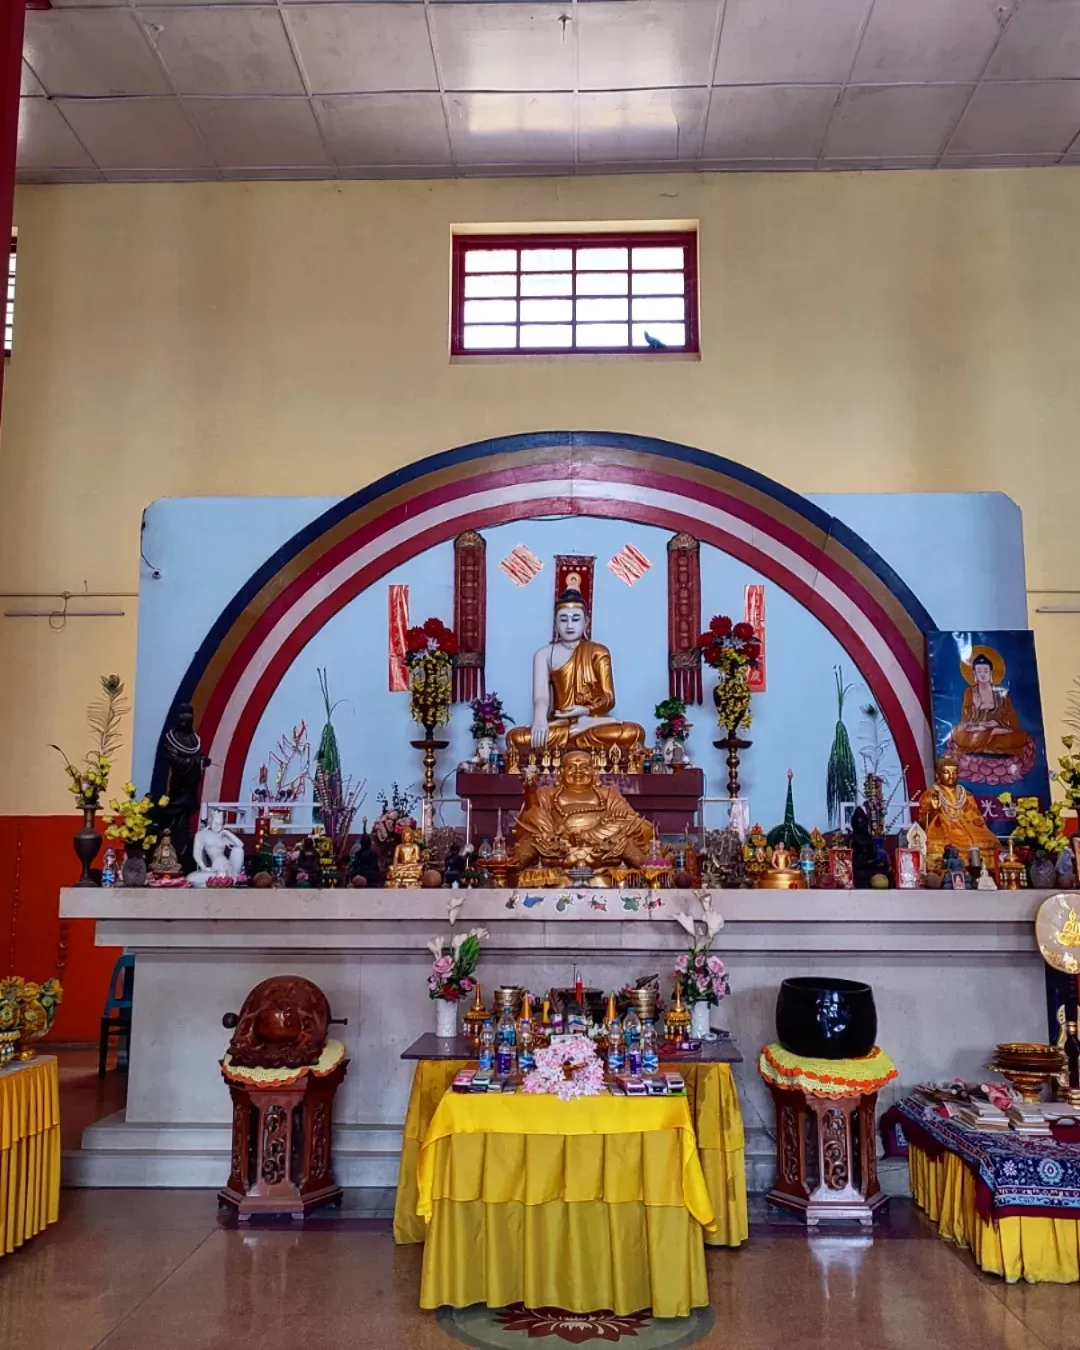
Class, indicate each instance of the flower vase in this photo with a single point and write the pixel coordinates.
(699, 1019)
(445, 1019)
(87, 844)
(1042, 873)
(133, 872)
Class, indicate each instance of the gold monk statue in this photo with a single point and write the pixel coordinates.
(579, 821)
(573, 691)
(988, 721)
(950, 815)
(407, 869)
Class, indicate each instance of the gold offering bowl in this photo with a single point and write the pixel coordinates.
(643, 1002)
(780, 879)
(510, 996)
(1028, 1066)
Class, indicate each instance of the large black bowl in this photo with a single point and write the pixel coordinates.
(825, 1018)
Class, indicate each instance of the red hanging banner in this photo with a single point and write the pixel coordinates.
(684, 618)
(470, 615)
(398, 598)
(755, 617)
(574, 572)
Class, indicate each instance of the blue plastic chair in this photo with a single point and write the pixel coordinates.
(116, 1015)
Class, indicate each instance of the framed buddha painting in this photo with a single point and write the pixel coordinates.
(987, 714)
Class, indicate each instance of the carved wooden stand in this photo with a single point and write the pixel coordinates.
(826, 1160)
(281, 1160)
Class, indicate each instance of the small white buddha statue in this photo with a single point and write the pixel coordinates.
(218, 852)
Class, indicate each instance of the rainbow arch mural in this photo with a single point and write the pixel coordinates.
(823, 564)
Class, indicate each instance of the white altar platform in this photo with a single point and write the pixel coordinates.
(953, 973)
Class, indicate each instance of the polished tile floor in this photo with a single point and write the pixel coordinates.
(163, 1270)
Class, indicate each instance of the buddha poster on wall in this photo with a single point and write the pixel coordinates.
(987, 713)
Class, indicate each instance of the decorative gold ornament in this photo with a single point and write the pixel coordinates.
(27, 1012)
(407, 869)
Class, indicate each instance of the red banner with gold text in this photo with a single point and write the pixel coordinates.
(755, 617)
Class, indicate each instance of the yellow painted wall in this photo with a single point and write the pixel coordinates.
(878, 332)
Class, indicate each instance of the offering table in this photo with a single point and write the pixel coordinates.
(953, 973)
(710, 1094)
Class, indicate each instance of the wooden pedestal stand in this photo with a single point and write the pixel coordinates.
(281, 1159)
(826, 1160)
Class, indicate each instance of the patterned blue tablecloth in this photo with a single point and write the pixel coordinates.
(1017, 1174)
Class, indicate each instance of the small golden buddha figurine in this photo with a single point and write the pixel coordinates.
(164, 862)
(407, 868)
(573, 690)
(950, 815)
(781, 874)
(579, 820)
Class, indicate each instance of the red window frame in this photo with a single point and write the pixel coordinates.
(464, 243)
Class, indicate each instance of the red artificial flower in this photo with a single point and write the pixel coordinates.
(415, 640)
(703, 640)
(743, 631)
(448, 642)
(433, 628)
(753, 650)
(720, 626)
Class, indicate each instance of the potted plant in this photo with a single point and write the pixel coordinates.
(699, 972)
(672, 730)
(488, 724)
(454, 961)
(1041, 833)
(87, 782)
(129, 822)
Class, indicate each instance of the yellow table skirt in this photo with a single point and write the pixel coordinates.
(1017, 1247)
(714, 1109)
(29, 1151)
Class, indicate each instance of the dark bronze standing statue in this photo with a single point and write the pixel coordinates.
(181, 750)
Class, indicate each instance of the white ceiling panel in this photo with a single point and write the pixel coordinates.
(388, 88)
(254, 132)
(928, 40)
(385, 129)
(30, 82)
(1041, 42)
(639, 124)
(503, 47)
(646, 43)
(238, 49)
(512, 128)
(363, 48)
(769, 121)
(789, 41)
(92, 52)
(46, 140)
(152, 134)
(904, 120)
(1040, 118)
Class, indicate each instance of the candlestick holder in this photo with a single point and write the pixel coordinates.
(430, 747)
(733, 743)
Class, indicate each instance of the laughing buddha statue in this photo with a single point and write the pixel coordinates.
(573, 692)
(579, 822)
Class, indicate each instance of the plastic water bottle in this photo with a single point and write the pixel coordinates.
(487, 1045)
(632, 1035)
(526, 1038)
(650, 1055)
(506, 1044)
(616, 1055)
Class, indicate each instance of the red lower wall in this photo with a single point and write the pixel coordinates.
(36, 859)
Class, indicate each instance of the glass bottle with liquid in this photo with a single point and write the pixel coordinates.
(631, 1026)
(506, 1045)
(650, 1054)
(487, 1045)
(526, 1037)
(616, 1052)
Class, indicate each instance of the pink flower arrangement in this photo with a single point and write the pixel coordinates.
(700, 972)
(577, 1053)
(452, 971)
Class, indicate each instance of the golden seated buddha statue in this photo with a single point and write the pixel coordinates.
(573, 692)
(579, 822)
(407, 869)
(950, 815)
